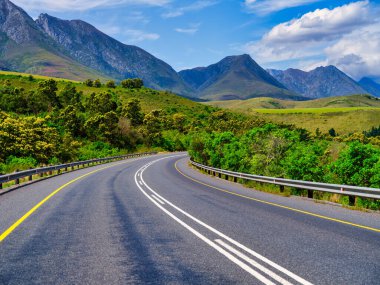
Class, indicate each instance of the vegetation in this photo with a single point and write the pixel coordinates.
(45, 121)
(327, 113)
(283, 151)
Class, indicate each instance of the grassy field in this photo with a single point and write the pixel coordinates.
(345, 114)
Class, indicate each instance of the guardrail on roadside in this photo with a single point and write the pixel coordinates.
(16, 176)
(351, 191)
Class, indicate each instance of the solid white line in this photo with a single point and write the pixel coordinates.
(257, 255)
(253, 263)
(159, 201)
(208, 241)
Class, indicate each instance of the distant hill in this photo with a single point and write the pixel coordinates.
(319, 83)
(271, 103)
(235, 77)
(370, 86)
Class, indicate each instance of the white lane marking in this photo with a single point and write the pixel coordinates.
(257, 255)
(253, 263)
(140, 183)
(158, 200)
(208, 241)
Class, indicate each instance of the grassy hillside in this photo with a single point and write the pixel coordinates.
(346, 114)
(271, 103)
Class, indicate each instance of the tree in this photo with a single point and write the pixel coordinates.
(88, 83)
(111, 84)
(133, 112)
(332, 133)
(153, 128)
(101, 103)
(97, 83)
(135, 83)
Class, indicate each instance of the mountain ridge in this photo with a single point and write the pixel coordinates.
(234, 77)
(321, 82)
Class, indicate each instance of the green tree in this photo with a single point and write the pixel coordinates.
(97, 83)
(89, 82)
(111, 84)
(132, 111)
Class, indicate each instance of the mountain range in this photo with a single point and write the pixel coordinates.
(76, 50)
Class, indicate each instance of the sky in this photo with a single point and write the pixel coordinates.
(278, 34)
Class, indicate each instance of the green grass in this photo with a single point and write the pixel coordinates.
(346, 114)
(313, 110)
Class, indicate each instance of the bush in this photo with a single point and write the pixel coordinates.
(14, 163)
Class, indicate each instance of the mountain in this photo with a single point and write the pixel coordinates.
(76, 50)
(96, 50)
(24, 47)
(370, 86)
(321, 82)
(235, 77)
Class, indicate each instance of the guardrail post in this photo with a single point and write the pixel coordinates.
(282, 188)
(1, 184)
(17, 181)
(235, 179)
(220, 175)
(351, 200)
(310, 194)
(226, 176)
(50, 171)
(31, 176)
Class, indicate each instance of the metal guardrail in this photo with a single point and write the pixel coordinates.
(351, 191)
(16, 176)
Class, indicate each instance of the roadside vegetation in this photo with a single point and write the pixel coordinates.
(48, 121)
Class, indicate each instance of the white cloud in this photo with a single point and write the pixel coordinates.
(358, 53)
(270, 6)
(322, 24)
(196, 6)
(135, 36)
(191, 30)
(347, 36)
(81, 5)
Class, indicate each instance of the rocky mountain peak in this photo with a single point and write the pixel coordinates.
(17, 24)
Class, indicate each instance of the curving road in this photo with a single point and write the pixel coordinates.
(155, 220)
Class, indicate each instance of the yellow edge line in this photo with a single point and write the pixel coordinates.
(279, 205)
(31, 211)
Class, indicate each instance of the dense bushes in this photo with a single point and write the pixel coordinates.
(284, 152)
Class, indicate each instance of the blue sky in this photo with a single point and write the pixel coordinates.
(276, 33)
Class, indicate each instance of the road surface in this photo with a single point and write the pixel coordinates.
(155, 220)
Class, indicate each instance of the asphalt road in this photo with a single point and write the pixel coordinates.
(155, 220)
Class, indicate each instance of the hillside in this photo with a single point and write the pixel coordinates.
(271, 103)
(25, 48)
(321, 82)
(234, 77)
(346, 114)
(98, 51)
(76, 50)
(370, 86)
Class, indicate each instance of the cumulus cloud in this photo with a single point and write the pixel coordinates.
(196, 6)
(82, 5)
(270, 6)
(357, 53)
(322, 24)
(347, 36)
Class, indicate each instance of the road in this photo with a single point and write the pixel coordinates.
(155, 220)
